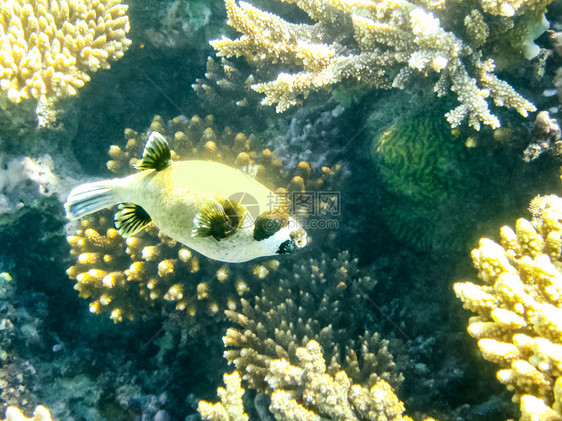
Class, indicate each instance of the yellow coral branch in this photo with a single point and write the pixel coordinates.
(519, 323)
(47, 48)
(382, 44)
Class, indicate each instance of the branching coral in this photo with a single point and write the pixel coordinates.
(40, 414)
(326, 308)
(126, 278)
(231, 406)
(293, 344)
(382, 44)
(328, 396)
(519, 307)
(48, 47)
(197, 138)
(225, 80)
(306, 391)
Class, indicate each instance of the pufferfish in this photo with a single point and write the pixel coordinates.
(198, 203)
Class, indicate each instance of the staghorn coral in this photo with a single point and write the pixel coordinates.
(231, 406)
(127, 278)
(383, 44)
(224, 80)
(519, 308)
(328, 308)
(40, 414)
(306, 391)
(48, 47)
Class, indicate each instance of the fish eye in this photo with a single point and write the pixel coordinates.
(286, 247)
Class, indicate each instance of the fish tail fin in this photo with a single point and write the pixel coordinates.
(89, 198)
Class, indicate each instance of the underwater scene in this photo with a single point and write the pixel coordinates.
(280, 210)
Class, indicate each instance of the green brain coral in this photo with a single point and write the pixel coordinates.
(422, 164)
(433, 186)
(418, 157)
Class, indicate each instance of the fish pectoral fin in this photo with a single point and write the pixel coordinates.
(269, 222)
(130, 219)
(156, 154)
(216, 219)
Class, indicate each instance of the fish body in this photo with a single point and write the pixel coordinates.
(216, 210)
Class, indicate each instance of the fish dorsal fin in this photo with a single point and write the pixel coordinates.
(269, 222)
(156, 154)
(217, 219)
(130, 219)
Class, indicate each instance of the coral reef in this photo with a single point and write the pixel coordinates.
(295, 329)
(197, 138)
(231, 406)
(327, 308)
(386, 44)
(23, 180)
(128, 277)
(178, 24)
(226, 92)
(547, 137)
(418, 156)
(44, 364)
(306, 391)
(294, 344)
(50, 46)
(313, 134)
(20, 330)
(40, 414)
(422, 162)
(289, 311)
(519, 308)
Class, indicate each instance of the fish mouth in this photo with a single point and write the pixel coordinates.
(297, 241)
(299, 238)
